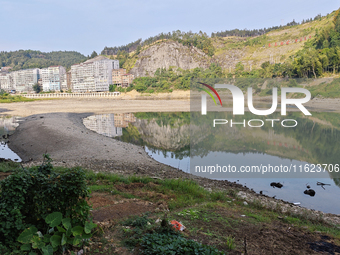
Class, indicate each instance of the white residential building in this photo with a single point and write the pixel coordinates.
(53, 78)
(93, 75)
(21, 81)
(6, 82)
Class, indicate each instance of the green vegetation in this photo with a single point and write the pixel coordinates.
(7, 98)
(25, 59)
(36, 88)
(328, 90)
(27, 199)
(59, 235)
(174, 244)
(166, 119)
(167, 80)
(163, 239)
(212, 218)
(257, 32)
(187, 192)
(8, 166)
(319, 55)
(199, 40)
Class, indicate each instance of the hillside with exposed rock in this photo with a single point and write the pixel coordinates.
(169, 54)
(275, 47)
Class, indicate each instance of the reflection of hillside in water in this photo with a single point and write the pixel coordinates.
(314, 140)
(160, 131)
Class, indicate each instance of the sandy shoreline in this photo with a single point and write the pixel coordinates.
(126, 103)
(56, 127)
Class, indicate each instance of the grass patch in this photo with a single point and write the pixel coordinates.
(259, 217)
(9, 166)
(14, 99)
(329, 90)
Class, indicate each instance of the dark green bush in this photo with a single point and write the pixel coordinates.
(155, 243)
(161, 239)
(29, 195)
(137, 221)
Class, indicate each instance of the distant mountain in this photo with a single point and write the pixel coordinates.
(24, 59)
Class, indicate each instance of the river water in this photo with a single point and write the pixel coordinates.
(177, 140)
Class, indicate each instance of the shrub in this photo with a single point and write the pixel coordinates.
(161, 239)
(29, 195)
(59, 235)
(156, 243)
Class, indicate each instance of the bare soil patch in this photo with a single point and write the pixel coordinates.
(122, 210)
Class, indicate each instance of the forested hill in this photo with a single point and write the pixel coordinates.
(307, 49)
(24, 59)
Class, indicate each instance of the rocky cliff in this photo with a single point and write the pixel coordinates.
(168, 54)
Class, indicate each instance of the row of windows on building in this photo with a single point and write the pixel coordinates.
(94, 75)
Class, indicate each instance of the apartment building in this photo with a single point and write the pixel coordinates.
(21, 81)
(93, 75)
(53, 78)
(121, 78)
(6, 82)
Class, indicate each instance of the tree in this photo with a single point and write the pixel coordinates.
(36, 88)
(94, 54)
(112, 87)
(139, 48)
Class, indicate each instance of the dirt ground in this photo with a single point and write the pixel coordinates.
(177, 101)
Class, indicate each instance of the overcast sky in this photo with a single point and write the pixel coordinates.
(87, 25)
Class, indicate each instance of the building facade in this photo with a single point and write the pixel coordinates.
(94, 75)
(6, 82)
(121, 78)
(21, 81)
(53, 78)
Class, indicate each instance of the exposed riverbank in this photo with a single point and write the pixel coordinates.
(177, 101)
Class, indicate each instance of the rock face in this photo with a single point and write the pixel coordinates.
(168, 54)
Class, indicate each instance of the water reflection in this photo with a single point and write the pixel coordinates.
(109, 124)
(171, 138)
(314, 140)
(8, 125)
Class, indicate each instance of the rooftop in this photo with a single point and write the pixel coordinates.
(98, 58)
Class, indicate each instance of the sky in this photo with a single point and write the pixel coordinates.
(88, 25)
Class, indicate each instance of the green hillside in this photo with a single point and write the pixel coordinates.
(24, 59)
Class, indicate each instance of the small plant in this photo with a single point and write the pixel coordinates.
(230, 242)
(59, 234)
(137, 221)
(193, 214)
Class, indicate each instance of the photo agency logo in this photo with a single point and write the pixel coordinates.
(238, 105)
